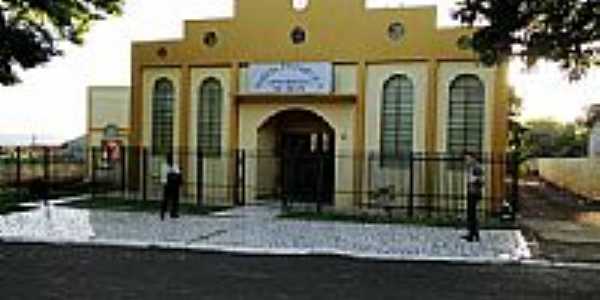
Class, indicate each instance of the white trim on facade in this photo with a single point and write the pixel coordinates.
(151, 75)
(448, 72)
(377, 75)
(215, 170)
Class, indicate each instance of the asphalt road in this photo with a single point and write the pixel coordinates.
(60, 272)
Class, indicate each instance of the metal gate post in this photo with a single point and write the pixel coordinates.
(19, 191)
(123, 156)
(320, 183)
(370, 183)
(411, 188)
(93, 179)
(46, 161)
(199, 177)
(283, 178)
(46, 182)
(144, 174)
(243, 177)
(515, 183)
(236, 175)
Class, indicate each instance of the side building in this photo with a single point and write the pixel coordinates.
(108, 123)
(593, 118)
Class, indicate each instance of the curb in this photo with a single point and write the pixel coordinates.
(561, 265)
(180, 246)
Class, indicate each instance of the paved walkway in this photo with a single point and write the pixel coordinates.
(565, 227)
(256, 229)
(558, 215)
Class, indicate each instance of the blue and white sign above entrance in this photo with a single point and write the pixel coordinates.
(291, 78)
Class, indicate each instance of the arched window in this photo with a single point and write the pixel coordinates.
(210, 102)
(162, 116)
(397, 118)
(466, 115)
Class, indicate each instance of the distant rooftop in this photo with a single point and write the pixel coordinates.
(29, 140)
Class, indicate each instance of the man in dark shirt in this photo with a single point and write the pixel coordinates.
(171, 180)
(474, 177)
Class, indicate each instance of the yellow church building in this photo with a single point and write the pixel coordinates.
(332, 98)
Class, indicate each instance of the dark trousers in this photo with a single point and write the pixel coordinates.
(170, 201)
(472, 222)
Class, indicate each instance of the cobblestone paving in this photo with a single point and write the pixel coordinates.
(256, 229)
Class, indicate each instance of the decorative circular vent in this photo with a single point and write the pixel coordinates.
(162, 52)
(210, 39)
(396, 31)
(298, 35)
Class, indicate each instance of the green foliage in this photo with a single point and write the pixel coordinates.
(562, 31)
(515, 103)
(31, 29)
(10, 201)
(592, 116)
(516, 130)
(8, 207)
(549, 138)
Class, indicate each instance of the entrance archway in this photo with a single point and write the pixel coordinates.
(296, 158)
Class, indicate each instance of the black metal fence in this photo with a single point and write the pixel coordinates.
(406, 185)
(41, 173)
(434, 185)
(409, 185)
(135, 173)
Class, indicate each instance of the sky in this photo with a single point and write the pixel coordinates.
(51, 101)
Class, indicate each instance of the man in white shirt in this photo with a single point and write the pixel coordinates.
(170, 178)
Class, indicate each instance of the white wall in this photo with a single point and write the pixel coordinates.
(198, 76)
(594, 143)
(450, 180)
(396, 179)
(109, 105)
(580, 175)
(150, 76)
(215, 170)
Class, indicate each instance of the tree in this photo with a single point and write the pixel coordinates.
(549, 138)
(30, 30)
(563, 31)
(515, 129)
(592, 116)
(515, 103)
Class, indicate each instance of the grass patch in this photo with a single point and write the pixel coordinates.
(10, 202)
(30, 192)
(124, 205)
(8, 207)
(381, 219)
(11, 198)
